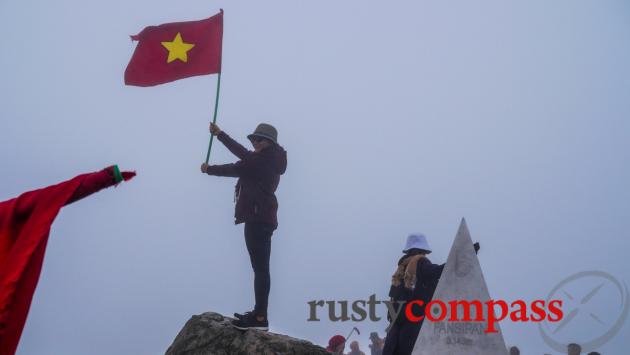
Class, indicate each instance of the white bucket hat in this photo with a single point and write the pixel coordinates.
(417, 241)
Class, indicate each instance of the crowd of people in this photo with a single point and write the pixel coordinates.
(337, 345)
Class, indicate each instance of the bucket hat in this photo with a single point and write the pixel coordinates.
(265, 130)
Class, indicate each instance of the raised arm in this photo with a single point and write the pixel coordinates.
(430, 270)
(232, 145)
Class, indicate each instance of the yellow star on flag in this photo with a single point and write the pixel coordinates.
(177, 49)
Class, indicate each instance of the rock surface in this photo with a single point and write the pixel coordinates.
(212, 334)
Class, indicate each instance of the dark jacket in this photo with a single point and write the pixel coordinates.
(402, 334)
(258, 176)
(427, 277)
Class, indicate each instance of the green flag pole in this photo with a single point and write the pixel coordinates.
(214, 119)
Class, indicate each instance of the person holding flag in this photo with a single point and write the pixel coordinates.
(258, 174)
(179, 50)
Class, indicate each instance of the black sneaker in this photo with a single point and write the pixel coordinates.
(249, 321)
(242, 315)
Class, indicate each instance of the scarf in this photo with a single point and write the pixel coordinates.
(406, 272)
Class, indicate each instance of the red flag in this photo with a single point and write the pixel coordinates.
(175, 51)
(24, 227)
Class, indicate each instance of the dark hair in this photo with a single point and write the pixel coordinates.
(416, 251)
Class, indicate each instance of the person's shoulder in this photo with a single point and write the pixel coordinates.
(424, 261)
(250, 155)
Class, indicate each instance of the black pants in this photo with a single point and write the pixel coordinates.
(258, 241)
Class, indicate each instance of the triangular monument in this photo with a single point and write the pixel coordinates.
(461, 279)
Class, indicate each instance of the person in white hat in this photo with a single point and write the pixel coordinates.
(415, 278)
(417, 241)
